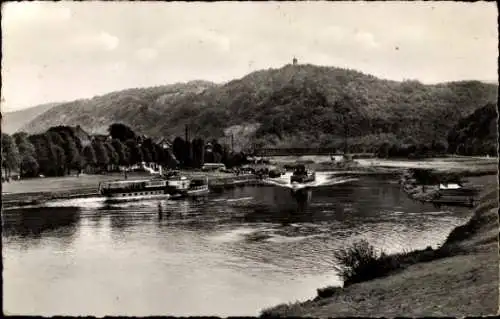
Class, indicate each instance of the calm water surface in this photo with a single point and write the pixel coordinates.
(231, 253)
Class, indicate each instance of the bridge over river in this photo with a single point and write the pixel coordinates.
(301, 152)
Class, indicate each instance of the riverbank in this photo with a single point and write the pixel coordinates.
(464, 282)
(466, 196)
(469, 166)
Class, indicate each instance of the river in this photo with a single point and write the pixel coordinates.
(232, 253)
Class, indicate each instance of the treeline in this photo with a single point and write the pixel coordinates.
(411, 150)
(60, 150)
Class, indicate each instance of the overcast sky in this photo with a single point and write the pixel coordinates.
(55, 51)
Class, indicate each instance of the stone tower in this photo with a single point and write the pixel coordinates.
(294, 61)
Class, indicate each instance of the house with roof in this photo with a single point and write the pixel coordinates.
(164, 143)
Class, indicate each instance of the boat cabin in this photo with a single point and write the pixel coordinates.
(178, 183)
(107, 188)
(213, 166)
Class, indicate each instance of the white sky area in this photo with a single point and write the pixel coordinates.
(60, 51)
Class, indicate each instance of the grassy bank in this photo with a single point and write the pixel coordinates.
(458, 279)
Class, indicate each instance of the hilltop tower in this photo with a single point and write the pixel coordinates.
(294, 61)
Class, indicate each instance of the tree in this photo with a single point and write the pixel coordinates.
(55, 138)
(101, 154)
(43, 153)
(439, 147)
(89, 155)
(29, 166)
(160, 154)
(57, 153)
(218, 152)
(10, 154)
(114, 158)
(198, 152)
(135, 153)
(148, 151)
(73, 159)
(26, 153)
(188, 154)
(121, 151)
(70, 131)
(217, 157)
(121, 132)
(383, 151)
(178, 149)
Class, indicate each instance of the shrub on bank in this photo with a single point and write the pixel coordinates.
(361, 262)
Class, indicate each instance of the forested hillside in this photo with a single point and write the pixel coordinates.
(476, 134)
(138, 107)
(300, 106)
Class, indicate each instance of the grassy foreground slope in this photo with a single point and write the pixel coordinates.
(283, 107)
(464, 284)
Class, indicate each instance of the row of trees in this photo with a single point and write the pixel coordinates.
(187, 153)
(60, 150)
(413, 150)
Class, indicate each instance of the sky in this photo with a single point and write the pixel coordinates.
(62, 51)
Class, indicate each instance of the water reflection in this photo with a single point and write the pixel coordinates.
(35, 222)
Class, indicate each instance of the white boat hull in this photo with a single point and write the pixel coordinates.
(198, 192)
(138, 195)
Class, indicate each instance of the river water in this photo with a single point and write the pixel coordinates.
(234, 252)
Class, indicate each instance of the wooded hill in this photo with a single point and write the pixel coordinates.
(293, 106)
(476, 134)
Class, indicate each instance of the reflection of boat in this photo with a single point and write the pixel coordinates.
(301, 175)
(134, 189)
(303, 194)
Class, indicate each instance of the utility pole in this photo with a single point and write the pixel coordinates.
(232, 143)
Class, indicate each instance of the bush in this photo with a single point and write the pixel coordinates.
(361, 262)
(357, 263)
(327, 292)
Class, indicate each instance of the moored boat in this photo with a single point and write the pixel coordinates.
(178, 185)
(198, 187)
(134, 189)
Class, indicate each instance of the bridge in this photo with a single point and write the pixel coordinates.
(295, 151)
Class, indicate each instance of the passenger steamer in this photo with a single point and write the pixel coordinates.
(173, 187)
(135, 189)
(198, 187)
